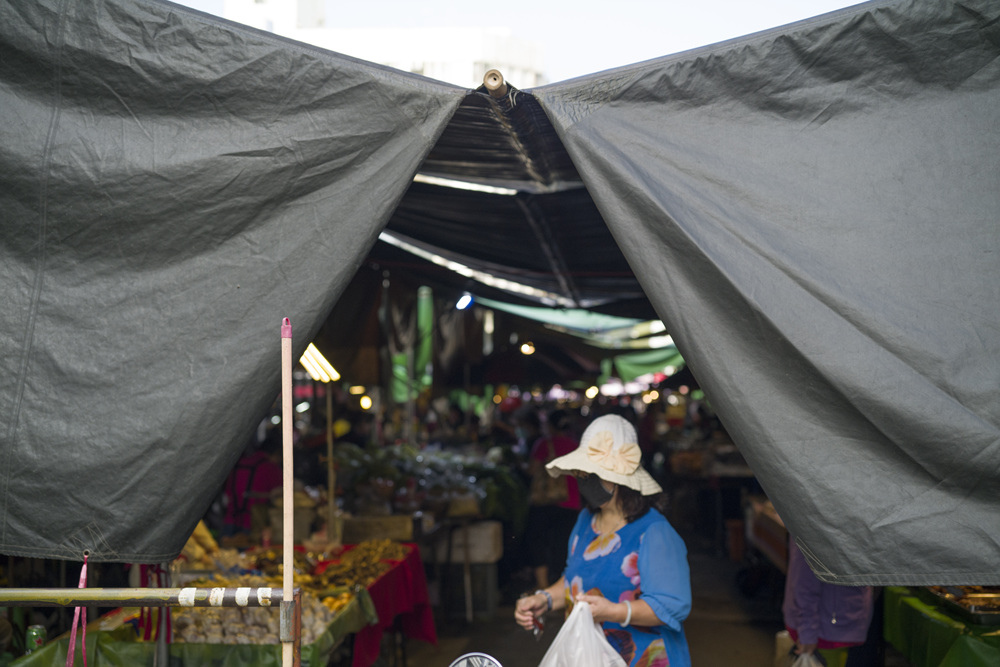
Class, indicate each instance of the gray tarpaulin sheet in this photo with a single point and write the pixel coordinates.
(813, 211)
(816, 217)
(172, 187)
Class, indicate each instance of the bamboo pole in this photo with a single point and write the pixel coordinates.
(291, 626)
(141, 597)
(331, 471)
(288, 499)
(493, 80)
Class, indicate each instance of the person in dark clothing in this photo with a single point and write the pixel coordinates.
(551, 519)
(823, 618)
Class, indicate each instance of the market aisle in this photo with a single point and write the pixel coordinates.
(724, 628)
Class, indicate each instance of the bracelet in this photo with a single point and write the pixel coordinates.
(628, 616)
(548, 597)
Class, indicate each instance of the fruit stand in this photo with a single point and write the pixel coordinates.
(353, 596)
(942, 626)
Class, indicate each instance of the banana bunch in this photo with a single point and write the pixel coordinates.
(337, 602)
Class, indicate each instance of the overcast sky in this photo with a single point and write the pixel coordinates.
(584, 36)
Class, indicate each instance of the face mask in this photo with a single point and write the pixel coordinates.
(593, 491)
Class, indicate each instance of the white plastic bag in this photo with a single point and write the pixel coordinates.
(807, 660)
(581, 643)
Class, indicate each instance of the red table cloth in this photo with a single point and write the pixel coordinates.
(400, 593)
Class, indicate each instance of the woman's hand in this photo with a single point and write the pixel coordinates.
(529, 608)
(603, 609)
(805, 648)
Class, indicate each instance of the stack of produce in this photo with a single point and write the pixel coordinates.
(323, 595)
(361, 565)
(252, 625)
(401, 479)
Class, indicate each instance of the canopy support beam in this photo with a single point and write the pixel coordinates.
(543, 234)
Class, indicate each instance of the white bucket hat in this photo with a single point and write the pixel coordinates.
(609, 448)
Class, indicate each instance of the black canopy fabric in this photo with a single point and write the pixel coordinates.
(811, 210)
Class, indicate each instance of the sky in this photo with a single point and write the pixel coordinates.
(584, 36)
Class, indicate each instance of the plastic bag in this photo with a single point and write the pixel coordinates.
(581, 643)
(807, 660)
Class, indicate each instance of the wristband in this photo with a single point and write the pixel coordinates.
(628, 616)
(548, 597)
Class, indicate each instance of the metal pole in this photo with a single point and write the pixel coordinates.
(467, 573)
(161, 657)
(297, 629)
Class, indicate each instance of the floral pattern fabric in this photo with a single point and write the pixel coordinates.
(645, 560)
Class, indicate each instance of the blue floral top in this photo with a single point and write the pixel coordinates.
(646, 560)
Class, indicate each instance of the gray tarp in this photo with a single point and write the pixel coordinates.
(816, 218)
(171, 189)
(812, 211)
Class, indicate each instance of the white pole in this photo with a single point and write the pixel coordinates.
(288, 500)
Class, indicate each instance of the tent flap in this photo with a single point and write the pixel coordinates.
(171, 187)
(813, 213)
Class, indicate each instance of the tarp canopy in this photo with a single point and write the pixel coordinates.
(811, 210)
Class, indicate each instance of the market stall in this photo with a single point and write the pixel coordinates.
(766, 532)
(713, 478)
(113, 640)
(349, 599)
(400, 599)
(954, 626)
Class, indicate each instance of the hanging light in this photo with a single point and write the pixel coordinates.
(464, 301)
(463, 185)
(528, 348)
(546, 297)
(318, 367)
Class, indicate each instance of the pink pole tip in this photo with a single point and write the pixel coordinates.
(286, 328)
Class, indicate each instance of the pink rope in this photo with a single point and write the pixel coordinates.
(80, 613)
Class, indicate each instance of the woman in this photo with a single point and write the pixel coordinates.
(625, 560)
(826, 619)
